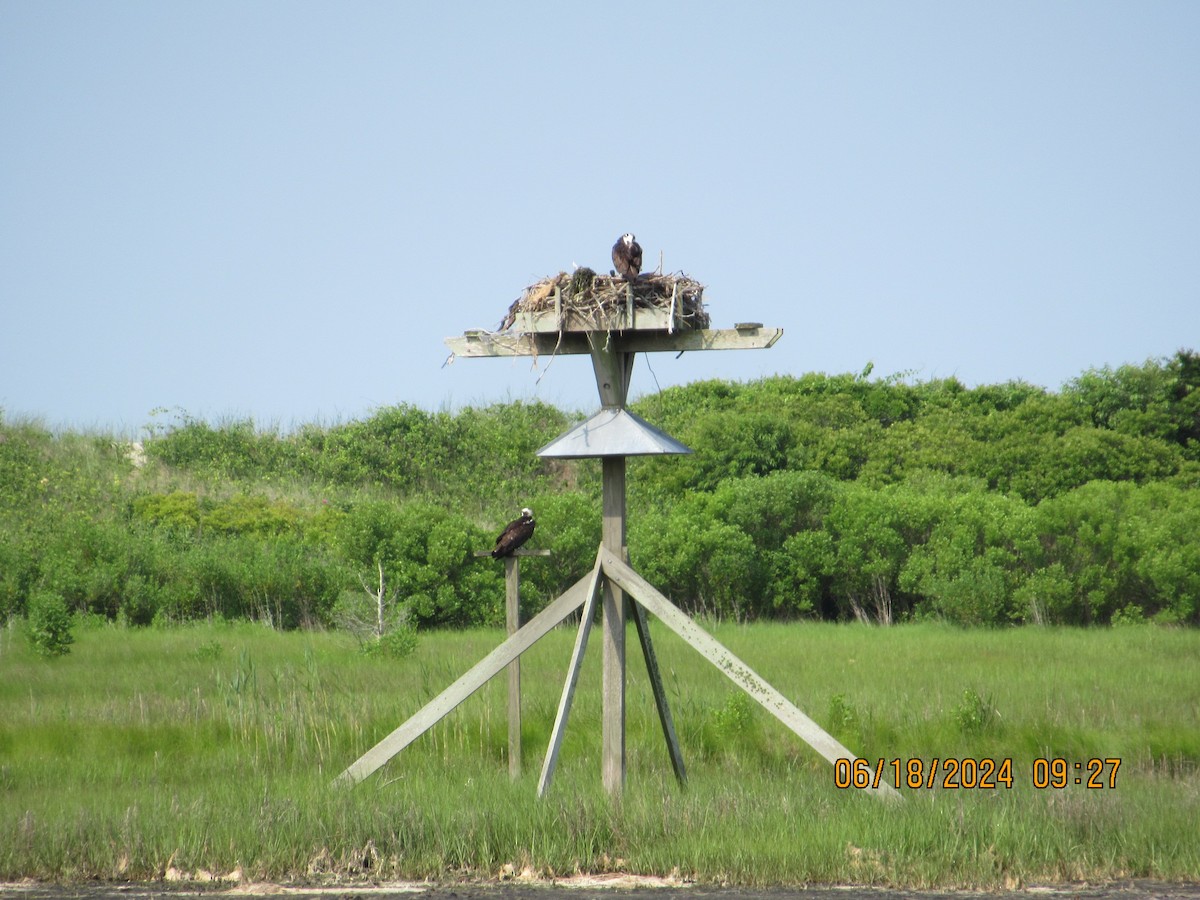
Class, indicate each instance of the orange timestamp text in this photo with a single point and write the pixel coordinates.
(970, 773)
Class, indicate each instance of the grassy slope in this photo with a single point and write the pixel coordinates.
(212, 747)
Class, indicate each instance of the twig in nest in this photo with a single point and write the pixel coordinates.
(590, 298)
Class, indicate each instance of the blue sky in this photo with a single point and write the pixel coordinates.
(278, 210)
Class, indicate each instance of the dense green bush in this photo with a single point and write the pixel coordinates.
(235, 449)
(18, 570)
(395, 644)
(975, 558)
(568, 524)
(49, 624)
(427, 554)
(830, 496)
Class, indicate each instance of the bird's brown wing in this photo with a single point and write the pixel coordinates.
(627, 264)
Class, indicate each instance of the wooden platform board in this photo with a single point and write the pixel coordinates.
(617, 318)
(749, 336)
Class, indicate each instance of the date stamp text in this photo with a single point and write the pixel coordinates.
(970, 773)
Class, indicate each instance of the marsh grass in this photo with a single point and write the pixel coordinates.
(211, 748)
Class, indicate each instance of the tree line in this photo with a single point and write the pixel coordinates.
(823, 496)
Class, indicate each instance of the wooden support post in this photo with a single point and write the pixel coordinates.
(613, 369)
(512, 602)
(613, 683)
(512, 607)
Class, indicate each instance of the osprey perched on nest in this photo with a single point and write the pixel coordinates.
(515, 533)
(627, 257)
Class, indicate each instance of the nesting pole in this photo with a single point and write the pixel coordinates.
(611, 434)
(613, 369)
(613, 665)
(512, 624)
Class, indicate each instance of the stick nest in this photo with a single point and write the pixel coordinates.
(592, 298)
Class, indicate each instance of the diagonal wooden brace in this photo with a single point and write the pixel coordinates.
(441, 705)
(568, 694)
(737, 671)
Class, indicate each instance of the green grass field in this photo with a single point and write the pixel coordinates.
(213, 747)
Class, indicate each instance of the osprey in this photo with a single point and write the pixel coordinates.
(627, 257)
(515, 533)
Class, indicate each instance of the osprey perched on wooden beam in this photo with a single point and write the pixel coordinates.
(515, 533)
(627, 257)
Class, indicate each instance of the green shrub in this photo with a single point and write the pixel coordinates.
(845, 724)
(49, 624)
(209, 651)
(799, 575)
(568, 524)
(177, 511)
(395, 644)
(233, 449)
(736, 718)
(815, 495)
(18, 571)
(976, 714)
(701, 563)
(251, 514)
(427, 553)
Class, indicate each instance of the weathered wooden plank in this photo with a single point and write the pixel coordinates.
(624, 318)
(738, 672)
(512, 622)
(752, 338)
(613, 369)
(568, 695)
(660, 693)
(512, 604)
(612, 731)
(505, 343)
(441, 705)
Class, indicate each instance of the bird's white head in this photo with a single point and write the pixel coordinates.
(527, 512)
(628, 239)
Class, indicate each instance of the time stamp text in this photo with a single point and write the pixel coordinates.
(970, 773)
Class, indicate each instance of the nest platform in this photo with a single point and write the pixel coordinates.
(586, 301)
